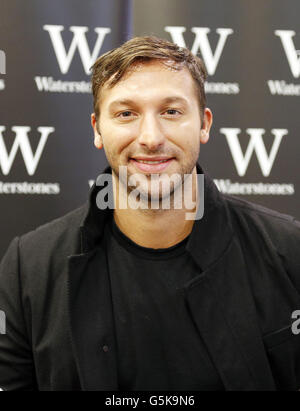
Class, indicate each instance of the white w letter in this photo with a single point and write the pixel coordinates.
(286, 37)
(21, 140)
(79, 41)
(201, 42)
(256, 144)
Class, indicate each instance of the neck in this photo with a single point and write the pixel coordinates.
(155, 228)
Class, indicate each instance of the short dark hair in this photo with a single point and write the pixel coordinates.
(112, 65)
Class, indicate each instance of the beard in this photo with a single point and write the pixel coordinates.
(154, 188)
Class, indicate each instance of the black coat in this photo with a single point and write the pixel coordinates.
(54, 291)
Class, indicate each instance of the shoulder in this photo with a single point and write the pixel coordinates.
(268, 231)
(278, 225)
(60, 236)
(40, 257)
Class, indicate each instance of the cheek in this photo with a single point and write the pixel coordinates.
(117, 138)
(186, 135)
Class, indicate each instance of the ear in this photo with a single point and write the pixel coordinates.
(205, 126)
(97, 136)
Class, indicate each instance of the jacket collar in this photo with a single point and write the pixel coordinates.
(93, 221)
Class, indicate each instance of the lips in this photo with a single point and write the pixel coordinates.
(153, 164)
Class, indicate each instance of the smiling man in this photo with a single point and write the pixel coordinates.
(152, 122)
(141, 297)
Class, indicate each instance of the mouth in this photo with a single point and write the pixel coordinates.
(151, 164)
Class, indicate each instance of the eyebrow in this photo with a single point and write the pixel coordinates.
(167, 100)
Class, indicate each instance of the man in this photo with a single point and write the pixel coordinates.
(148, 296)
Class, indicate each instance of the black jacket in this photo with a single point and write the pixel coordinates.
(54, 291)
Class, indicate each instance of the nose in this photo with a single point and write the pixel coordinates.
(150, 133)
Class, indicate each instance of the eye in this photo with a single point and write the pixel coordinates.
(126, 113)
(172, 112)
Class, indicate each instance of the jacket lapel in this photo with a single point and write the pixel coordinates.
(90, 305)
(223, 310)
(220, 299)
(91, 321)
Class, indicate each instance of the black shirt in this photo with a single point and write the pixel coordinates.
(159, 348)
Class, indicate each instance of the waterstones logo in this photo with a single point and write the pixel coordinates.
(48, 84)
(31, 160)
(65, 58)
(281, 87)
(256, 145)
(22, 143)
(211, 59)
(227, 186)
(265, 161)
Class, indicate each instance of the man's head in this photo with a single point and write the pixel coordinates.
(149, 105)
(111, 66)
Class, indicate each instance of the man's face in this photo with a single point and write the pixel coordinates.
(150, 122)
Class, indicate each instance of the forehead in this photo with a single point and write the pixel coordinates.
(151, 80)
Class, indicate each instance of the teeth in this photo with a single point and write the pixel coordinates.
(152, 162)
